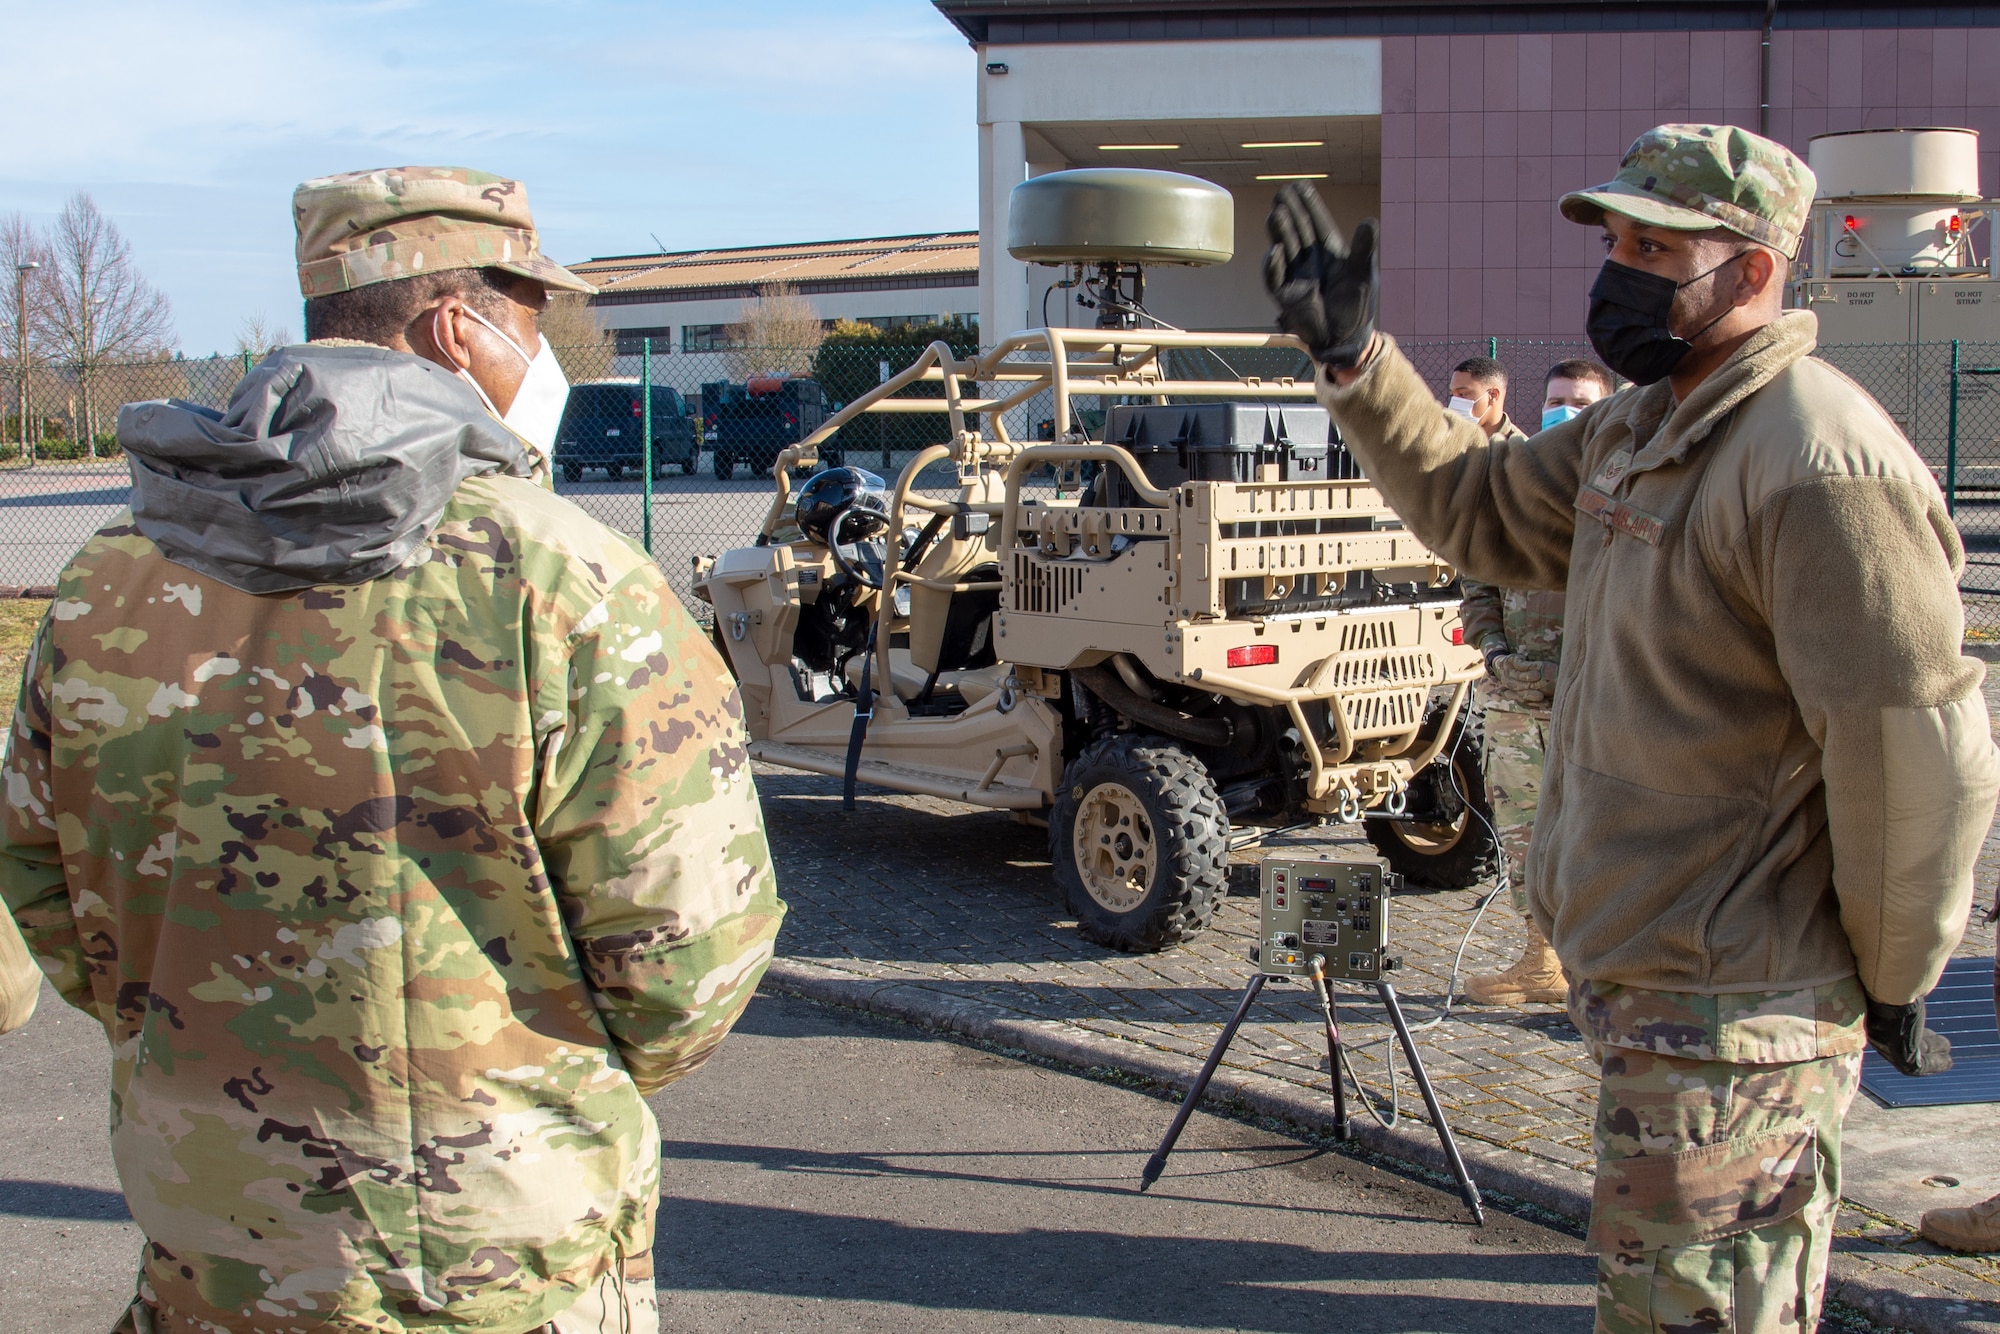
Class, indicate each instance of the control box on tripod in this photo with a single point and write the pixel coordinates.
(1336, 910)
(1323, 922)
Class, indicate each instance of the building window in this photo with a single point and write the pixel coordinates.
(891, 323)
(704, 337)
(632, 341)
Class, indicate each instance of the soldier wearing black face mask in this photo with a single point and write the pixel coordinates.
(1769, 764)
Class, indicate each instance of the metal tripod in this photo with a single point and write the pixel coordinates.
(1341, 1129)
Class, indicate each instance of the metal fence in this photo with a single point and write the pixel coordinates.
(707, 491)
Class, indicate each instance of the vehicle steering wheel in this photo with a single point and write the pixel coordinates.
(867, 556)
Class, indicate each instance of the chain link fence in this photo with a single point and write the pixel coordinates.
(717, 420)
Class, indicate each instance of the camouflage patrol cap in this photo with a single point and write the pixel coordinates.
(365, 227)
(1694, 177)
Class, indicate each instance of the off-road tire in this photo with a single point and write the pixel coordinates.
(723, 465)
(1434, 856)
(1188, 837)
(572, 472)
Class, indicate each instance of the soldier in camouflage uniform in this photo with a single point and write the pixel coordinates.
(1770, 767)
(389, 813)
(1519, 633)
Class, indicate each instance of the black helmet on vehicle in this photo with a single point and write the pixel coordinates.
(828, 494)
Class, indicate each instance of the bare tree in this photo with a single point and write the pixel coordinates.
(21, 244)
(582, 349)
(778, 334)
(568, 322)
(257, 339)
(97, 307)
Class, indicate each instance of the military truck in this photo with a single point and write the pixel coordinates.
(752, 421)
(1222, 626)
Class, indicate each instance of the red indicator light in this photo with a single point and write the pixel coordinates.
(1253, 655)
(1956, 224)
(1458, 634)
(1850, 222)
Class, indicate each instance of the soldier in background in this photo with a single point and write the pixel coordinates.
(1570, 387)
(389, 813)
(1519, 633)
(1770, 765)
(1478, 391)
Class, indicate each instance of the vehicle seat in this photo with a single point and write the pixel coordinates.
(954, 631)
(976, 683)
(971, 685)
(908, 678)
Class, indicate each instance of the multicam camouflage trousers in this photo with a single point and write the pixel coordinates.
(613, 1307)
(1718, 1180)
(629, 1304)
(1517, 745)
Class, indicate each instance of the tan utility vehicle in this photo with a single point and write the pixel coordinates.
(1197, 627)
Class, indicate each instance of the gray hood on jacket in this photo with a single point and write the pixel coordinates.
(329, 466)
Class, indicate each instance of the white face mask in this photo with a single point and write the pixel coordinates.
(538, 404)
(1463, 407)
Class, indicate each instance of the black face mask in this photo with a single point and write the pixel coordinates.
(1629, 310)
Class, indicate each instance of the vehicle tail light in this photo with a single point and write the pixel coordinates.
(635, 408)
(1253, 655)
(1458, 634)
(791, 419)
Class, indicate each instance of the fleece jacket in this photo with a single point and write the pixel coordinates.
(1770, 765)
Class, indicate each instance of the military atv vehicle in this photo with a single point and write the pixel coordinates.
(1211, 620)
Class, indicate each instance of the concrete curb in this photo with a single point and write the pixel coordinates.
(1899, 1299)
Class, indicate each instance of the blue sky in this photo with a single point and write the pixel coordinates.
(726, 123)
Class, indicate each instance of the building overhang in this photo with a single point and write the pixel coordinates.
(1097, 21)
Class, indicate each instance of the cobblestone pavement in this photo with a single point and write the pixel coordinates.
(958, 902)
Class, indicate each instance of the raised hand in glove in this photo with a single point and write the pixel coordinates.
(1898, 1032)
(1329, 294)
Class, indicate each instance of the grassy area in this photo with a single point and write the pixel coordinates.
(18, 619)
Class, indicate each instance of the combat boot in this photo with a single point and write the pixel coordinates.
(1535, 979)
(1974, 1228)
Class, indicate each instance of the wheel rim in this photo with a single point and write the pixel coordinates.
(1114, 848)
(1434, 840)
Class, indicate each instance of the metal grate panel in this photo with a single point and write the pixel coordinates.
(1961, 1008)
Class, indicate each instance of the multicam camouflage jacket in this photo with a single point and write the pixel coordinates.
(394, 899)
(1524, 625)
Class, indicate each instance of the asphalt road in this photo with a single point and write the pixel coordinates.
(829, 1171)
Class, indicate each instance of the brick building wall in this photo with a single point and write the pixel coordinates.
(1482, 133)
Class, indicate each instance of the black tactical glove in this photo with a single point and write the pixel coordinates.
(1898, 1032)
(1329, 295)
